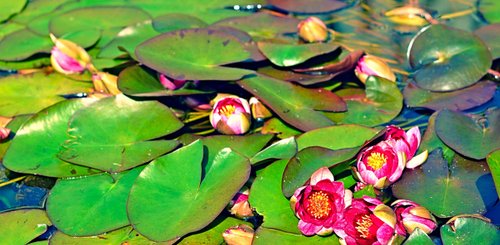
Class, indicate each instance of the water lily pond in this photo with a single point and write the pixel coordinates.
(249, 122)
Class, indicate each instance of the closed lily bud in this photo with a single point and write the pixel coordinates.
(67, 57)
(410, 215)
(259, 110)
(408, 15)
(238, 235)
(4, 133)
(105, 83)
(370, 65)
(240, 206)
(171, 84)
(312, 30)
(231, 115)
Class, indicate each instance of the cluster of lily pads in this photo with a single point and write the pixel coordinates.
(251, 121)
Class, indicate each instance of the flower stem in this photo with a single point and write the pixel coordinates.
(12, 181)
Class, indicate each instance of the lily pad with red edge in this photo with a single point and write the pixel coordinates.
(335, 137)
(262, 25)
(446, 59)
(300, 168)
(173, 186)
(489, 35)
(194, 54)
(380, 102)
(296, 105)
(469, 230)
(345, 61)
(457, 100)
(96, 135)
(264, 236)
(462, 187)
(176, 21)
(301, 78)
(23, 225)
(286, 54)
(308, 7)
(473, 137)
(143, 82)
(493, 160)
(48, 126)
(120, 236)
(267, 186)
(91, 205)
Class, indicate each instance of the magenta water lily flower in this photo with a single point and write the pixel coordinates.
(367, 221)
(231, 115)
(171, 84)
(410, 216)
(67, 57)
(320, 204)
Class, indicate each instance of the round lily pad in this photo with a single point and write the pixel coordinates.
(194, 54)
(446, 59)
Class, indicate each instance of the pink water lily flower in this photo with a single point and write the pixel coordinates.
(368, 221)
(171, 84)
(410, 216)
(370, 65)
(320, 204)
(231, 115)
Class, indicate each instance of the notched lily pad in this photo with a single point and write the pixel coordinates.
(308, 7)
(447, 59)
(194, 54)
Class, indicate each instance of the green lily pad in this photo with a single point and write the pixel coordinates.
(125, 235)
(265, 236)
(14, 126)
(267, 186)
(467, 230)
(489, 9)
(37, 8)
(463, 187)
(418, 237)
(430, 141)
(379, 103)
(262, 25)
(472, 137)
(283, 54)
(460, 100)
(96, 135)
(300, 168)
(175, 21)
(142, 82)
(494, 164)
(23, 44)
(447, 59)
(9, 8)
(487, 34)
(280, 128)
(127, 39)
(23, 225)
(172, 186)
(301, 78)
(33, 62)
(96, 18)
(48, 126)
(194, 54)
(39, 91)
(283, 149)
(357, 136)
(91, 205)
(212, 234)
(294, 104)
(308, 7)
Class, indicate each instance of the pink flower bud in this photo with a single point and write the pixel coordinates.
(410, 215)
(370, 65)
(4, 133)
(67, 57)
(239, 235)
(231, 115)
(240, 206)
(171, 84)
(312, 29)
(259, 110)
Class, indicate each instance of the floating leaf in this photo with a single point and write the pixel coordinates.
(48, 126)
(336, 137)
(97, 135)
(194, 54)
(174, 22)
(14, 126)
(494, 164)
(283, 149)
(472, 137)
(430, 140)
(418, 237)
(307, 161)
(140, 81)
(9, 8)
(487, 34)
(212, 234)
(301, 78)
(22, 44)
(22, 226)
(459, 100)
(467, 230)
(463, 187)
(283, 54)
(278, 127)
(447, 59)
(266, 187)
(127, 39)
(172, 186)
(308, 7)
(91, 205)
(125, 235)
(381, 102)
(38, 91)
(265, 236)
(294, 104)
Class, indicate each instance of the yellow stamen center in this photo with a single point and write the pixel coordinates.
(363, 226)
(227, 110)
(319, 205)
(376, 160)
